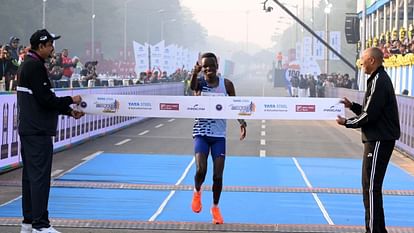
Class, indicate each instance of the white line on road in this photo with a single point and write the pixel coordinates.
(84, 161)
(262, 153)
(263, 126)
(164, 203)
(91, 156)
(143, 132)
(158, 126)
(315, 196)
(56, 172)
(171, 120)
(263, 133)
(122, 142)
(263, 121)
(262, 142)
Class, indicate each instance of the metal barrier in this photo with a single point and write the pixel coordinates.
(70, 131)
(406, 114)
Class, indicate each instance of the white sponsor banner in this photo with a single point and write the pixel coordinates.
(335, 42)
(157, 55)
(318, 47)
(226, 107)
(141, 57)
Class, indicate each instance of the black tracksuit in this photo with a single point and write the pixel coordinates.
(38, 110)
(379, 123)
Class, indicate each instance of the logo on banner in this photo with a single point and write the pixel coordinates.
(169, 106)
(244, 109)
(333, 108)
(196, 107)
(108, 105)
(219, 107)
(140, 106)
(275, 108)
(305, 108)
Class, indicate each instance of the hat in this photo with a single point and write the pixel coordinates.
(13, 38)
(42, 36)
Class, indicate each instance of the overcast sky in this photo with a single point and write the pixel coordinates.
(232, 19)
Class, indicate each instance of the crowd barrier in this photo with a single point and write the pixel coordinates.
(70, 131)
(406, 114)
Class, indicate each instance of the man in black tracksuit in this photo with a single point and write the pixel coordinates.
(38, 110)
(379, 123)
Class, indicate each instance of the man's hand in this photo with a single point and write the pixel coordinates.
(341, 120)
(77, 99)
(243, 126)
(346, 102)
(197, 68)
(77, 114)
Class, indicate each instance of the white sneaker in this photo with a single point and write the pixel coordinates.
(46, 230)
(26, 228)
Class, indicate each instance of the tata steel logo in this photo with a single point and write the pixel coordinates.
(196, 107)
(140, 105)
(333, 108)
(305, 108)
(275, 107)
(169, 106)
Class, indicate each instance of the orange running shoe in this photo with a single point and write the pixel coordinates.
(196, 203)
(217, 218)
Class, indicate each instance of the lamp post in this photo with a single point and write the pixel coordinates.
(163, 22)
(327, 12)
(44, 14)
(93, 31)
(125, 26)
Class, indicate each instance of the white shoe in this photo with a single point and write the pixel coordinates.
(46, 230)
(26, 228)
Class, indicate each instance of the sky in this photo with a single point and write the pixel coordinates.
(242, 20)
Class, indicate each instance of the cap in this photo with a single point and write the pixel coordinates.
(13, 38)
(42, 36)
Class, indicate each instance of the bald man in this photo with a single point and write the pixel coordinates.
(378, 119)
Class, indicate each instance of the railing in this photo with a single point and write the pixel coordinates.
(70, 131)
(406, 114)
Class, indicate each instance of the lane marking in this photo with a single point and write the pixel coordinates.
(164, 203)
(263, 126)
(143, 132)
(262, 142)
(158, 126)
(262, 153)
(171, 120)
(15, 199)
(91, 156)
(263, 133)
(80, 164)
(122, 142)
(315, 196)
(56, 172)
(263, 121)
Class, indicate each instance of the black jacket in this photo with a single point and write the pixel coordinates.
(378, 116)
(38, 106)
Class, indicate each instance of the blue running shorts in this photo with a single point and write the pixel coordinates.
(217, 145)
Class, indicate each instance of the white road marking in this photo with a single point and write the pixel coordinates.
(15, 199)
(263, 121)
(315, 196)
(262, 142)
(122, 142)
(263, 133)
(158, 126)
(84, 161)
(56, 172)
(262, 153)
(143, 132)
(167, 199)
(91, 156)
(263, 126)
(171, 120)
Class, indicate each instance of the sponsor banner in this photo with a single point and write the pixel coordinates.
(222, 107)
